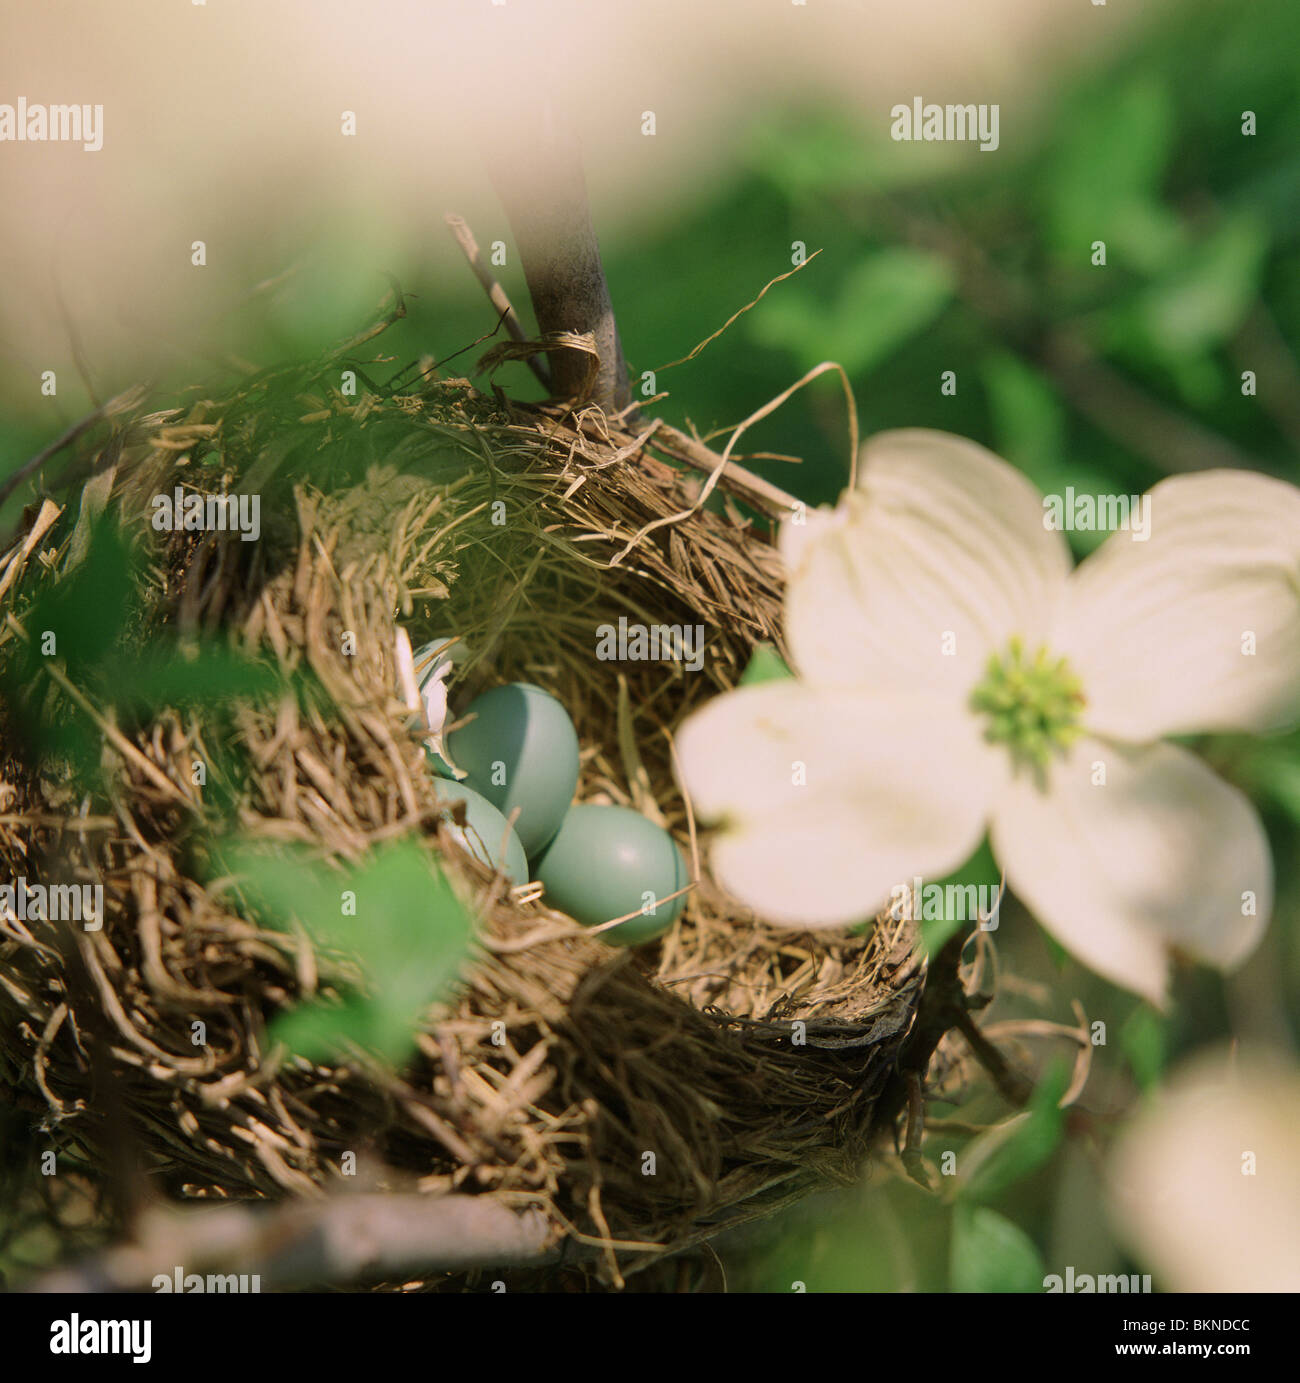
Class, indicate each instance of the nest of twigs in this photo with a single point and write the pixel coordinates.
(377, 511)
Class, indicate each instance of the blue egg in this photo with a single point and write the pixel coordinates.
(484, 830)
(520, 750)
(609, 861)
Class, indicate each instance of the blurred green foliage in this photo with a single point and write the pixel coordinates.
(394, 915)
(991, 1253)
(898, 291)
(765, 665)
(87, 625)
(1013, 1152)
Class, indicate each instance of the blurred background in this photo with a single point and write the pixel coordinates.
(1119, 123)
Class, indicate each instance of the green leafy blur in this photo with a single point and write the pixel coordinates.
(393, 916)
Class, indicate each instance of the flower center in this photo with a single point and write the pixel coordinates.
(1032, 706)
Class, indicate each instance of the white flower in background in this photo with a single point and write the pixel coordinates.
(954, 675)
(1203, 1187)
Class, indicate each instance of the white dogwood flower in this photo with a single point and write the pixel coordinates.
(1202, 1184)
(954, 676)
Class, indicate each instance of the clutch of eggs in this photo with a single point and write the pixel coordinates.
(516, 748)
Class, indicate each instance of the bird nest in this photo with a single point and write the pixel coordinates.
(629, 1102)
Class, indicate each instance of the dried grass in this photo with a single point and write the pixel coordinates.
(378, 512)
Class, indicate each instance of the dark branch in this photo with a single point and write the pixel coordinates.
(542, 187)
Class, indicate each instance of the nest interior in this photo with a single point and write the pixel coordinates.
(748, 1061)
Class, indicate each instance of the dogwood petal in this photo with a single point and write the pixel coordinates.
(1177, 1185)
(1158, 631)
(829, 799)
(936, 559)
(794, 538)
(1161, 855)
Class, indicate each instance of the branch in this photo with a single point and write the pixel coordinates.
(942, 1000)
(542, 187)
(344, 1239)
(497, 295)
(122, 403)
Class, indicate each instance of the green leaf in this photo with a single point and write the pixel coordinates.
(1029, 419)
(1106, 170)
(87, 610)
(283, 885)
(395, 914)
(417, 931)
(159, 677)
(1206, 293)
(323, 1031)
(1031, 425)
(1144, 1039)
(74, 621)
(1015, 1155)
(883, 301)
(1268, 768)
(765, 665)
(991, 1254)
(816, 153)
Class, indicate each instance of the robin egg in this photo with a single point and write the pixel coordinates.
(519, 749)
(484, 830)
(609, 861)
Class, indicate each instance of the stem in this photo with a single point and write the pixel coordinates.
(496, 294)
(542, 187)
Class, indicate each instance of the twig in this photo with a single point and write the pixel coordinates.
(1167, 439)
(1260, 346)
(1143, 424)
(943, 998)
(735, 316)
(1011, 1084)
(13, 562)
(913, 1160)
(722, 461)
(496, 294)
(120, 403)
(750, 487)
(110, 731)
(396, 315)
(343, 1239)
